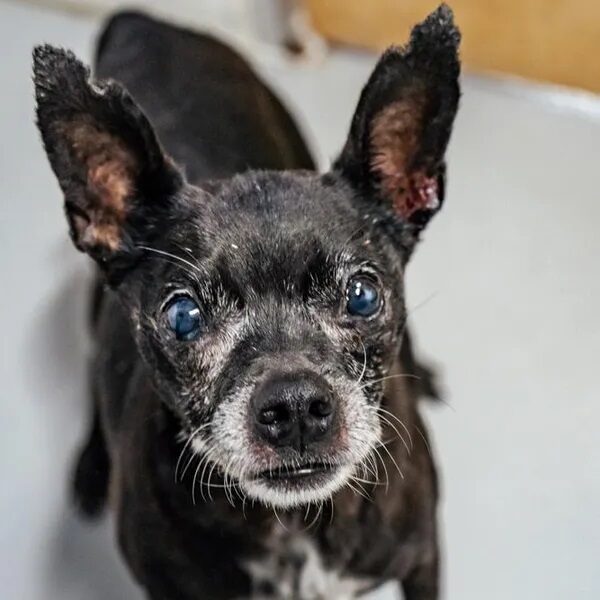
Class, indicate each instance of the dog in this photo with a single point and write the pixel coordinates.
(255, 428)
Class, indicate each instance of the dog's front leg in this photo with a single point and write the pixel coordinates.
(422, 583)
(90, 482)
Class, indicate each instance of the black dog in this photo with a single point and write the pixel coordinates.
(255, 430)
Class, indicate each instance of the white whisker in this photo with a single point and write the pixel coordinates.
(185, 447)
(364, 369)
(424, 440)
(392, 459)
(195, 270)
(399, 421)
(386, 420)
(409, 375)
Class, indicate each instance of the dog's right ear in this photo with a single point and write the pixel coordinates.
(116, 179)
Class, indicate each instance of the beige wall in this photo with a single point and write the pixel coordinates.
(548, 40)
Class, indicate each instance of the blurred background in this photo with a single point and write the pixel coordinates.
(504, 291)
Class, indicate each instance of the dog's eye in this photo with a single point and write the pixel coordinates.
(363, 299)
(184, 318)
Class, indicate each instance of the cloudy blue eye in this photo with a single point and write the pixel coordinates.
(184, 318)
(363, 298)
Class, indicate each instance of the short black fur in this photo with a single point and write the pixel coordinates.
(285, 400)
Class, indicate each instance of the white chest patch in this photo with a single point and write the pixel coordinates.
(294, 570)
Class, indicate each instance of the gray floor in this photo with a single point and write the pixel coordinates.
(505, 290)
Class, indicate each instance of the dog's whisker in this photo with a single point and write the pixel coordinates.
(192, 270)
(194, 482)
(187, 465)
(370, 466)
(331, 503)
(186, 446)
(400, 437)
(364, 473)
(306, 512)
(318, 506)
(164, 253)
(206, 461)
(392, 459)
(229, 480)
(365, 481)
(387, 477)
(419, 305)
(359, 483)
(397, 375)
(424, 438)
(188, 252)
(390, 414)
(209, 486)
(357, 491)
(181, 454)
(226, 487)
(278, 519)
(238, 489)
(317, 516)
(373, 461)
(364, 369)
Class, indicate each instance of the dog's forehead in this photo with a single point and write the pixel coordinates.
(286, 201)
(271, 215)
(272, 226)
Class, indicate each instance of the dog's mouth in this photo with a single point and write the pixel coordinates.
(298, 484)
(296, 471)
(297, 474)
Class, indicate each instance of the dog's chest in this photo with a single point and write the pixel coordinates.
(294, 570)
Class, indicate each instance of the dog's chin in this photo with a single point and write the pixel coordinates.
(288, 488)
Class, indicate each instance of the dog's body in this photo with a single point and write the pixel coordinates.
(192, 530)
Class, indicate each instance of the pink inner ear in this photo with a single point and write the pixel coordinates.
(394, 141)
(420, 194)
(408, 194)
(111, 169)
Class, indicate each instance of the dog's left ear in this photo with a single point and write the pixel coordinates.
(399, 133)
(114, 174)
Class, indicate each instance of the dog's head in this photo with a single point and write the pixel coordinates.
(269, 307)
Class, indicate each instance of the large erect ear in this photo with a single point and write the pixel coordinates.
(399, 133)
(114, 175)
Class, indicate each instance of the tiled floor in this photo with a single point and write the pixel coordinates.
(507, 285)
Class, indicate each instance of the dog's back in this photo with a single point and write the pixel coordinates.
(210, 110)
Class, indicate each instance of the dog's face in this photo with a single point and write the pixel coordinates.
(269, 307)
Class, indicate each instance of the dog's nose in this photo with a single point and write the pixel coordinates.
(294, 410)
